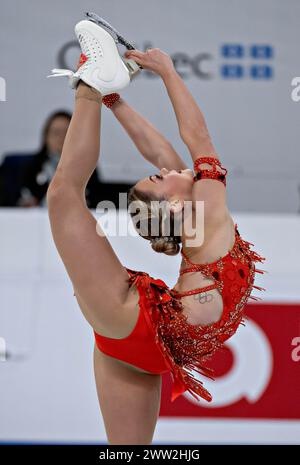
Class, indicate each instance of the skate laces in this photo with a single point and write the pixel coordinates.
(61, 72)
(91, 50)
(68, 72)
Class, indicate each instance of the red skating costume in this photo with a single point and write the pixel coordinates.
(162, 340)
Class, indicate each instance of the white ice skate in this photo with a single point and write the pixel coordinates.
(103, 68)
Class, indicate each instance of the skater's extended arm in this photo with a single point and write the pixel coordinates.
(152, 145)
(192, 128)
(191, 122)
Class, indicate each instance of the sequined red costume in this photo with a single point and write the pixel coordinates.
(162, 340)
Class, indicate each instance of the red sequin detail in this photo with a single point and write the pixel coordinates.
(188, 347)
(202, 173)
(110, 99)
(195, 291)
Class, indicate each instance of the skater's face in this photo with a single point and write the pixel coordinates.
(56, 134)
(168, 184)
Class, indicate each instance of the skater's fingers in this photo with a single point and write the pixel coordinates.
(137, 58)
(134, 52)
(139, 61)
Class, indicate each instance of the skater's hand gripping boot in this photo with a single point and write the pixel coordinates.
(153, 59)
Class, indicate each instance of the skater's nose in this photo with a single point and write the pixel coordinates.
(163, 171)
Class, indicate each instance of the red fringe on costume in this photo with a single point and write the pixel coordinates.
(187, 347)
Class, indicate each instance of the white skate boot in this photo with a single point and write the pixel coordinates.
(102, 68)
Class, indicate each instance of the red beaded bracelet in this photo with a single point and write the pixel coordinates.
(110, 99)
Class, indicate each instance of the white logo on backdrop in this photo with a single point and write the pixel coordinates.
(250, 373)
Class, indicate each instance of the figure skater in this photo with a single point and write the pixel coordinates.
(142, 327)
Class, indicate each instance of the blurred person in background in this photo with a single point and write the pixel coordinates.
(25, 177)
(40, 171)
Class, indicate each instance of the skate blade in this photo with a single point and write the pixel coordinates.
(110, 29)
(132, 66)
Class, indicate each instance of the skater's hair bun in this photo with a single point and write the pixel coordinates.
(148, 214)
(167, 245)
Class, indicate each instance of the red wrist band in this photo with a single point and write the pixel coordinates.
(110, 99)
